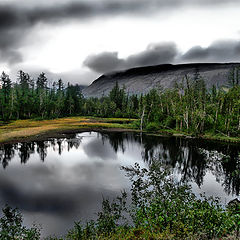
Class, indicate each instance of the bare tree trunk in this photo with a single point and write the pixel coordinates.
(186, 119)
(216, 117)
(149, 112)
(142, 117)
(11, 105)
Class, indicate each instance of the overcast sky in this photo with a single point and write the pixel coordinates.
(80, 40)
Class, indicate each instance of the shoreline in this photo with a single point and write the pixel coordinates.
(34, 130)
(61, 133)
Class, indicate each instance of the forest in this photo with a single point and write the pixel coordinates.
(188, 107)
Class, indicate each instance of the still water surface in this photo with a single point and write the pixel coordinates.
(59, 181)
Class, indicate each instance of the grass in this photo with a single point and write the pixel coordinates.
(221, 138)
(19, 129)
(23, 129)
(206, 136)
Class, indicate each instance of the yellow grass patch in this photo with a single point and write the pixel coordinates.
(26, 128)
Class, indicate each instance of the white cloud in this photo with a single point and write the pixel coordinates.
(62, 47)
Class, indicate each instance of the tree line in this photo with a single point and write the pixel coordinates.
(188, 107)
(29, 98)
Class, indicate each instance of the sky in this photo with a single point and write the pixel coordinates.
(79, 40)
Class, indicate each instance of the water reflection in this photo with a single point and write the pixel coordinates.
(58, 181)
(192, 160)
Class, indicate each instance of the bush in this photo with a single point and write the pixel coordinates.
(170, 122)
(160, 209)
(164, 206)
(152, 127)
(136, 124)
(11, 226)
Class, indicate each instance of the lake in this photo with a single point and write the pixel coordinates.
(59, 181)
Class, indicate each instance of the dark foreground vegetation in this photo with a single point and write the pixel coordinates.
(189, 107)
(160, 208)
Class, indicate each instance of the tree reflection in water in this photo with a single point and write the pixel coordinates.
(188, 159)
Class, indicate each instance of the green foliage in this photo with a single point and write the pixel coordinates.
(160, 208)
(11, 226)
(111, 214)
(135, 124)
(188, 107)
(152, 126)
(162, 205)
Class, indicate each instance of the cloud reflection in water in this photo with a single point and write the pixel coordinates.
(60, 181)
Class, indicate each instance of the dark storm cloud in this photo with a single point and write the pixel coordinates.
(163, 53)
(220, 51)
(50, 201)
(104, 153)
(12, 31)
(12, 15)
(154, 54)
(104, 62)
(11, 56)
(18, 17)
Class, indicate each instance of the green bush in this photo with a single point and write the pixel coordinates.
(164, 206)
(11, 226)
(170, 122)
(136, 124)
(160, 208)
(152, 127)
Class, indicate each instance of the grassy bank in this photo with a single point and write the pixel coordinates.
(207, 136)
(31, 129)
(27, 129)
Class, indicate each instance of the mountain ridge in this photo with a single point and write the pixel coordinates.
(141, 80)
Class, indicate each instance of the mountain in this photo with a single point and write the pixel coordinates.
(142, 79)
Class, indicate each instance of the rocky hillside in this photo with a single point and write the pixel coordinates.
(143, 79)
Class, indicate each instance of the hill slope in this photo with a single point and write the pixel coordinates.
(143, 79)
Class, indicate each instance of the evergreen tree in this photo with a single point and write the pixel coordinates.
(5, 98)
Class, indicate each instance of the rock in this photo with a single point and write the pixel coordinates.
(141, 80)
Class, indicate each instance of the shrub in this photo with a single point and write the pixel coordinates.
(170, 122)
(136, 124)
(152, 127)
(160, 208)
(11, 226)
